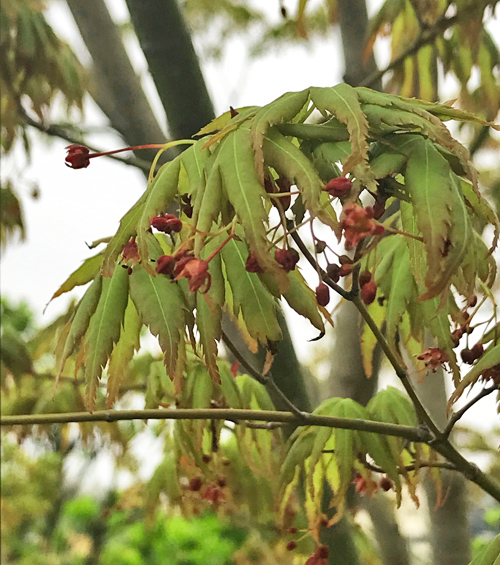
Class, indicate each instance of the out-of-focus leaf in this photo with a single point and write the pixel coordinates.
(490, 554)
(14, 354)
(303, 300)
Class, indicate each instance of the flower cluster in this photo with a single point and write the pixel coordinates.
(319, 557)
(434, 358)
(77, 157)
(184, 265)
(287, 258)
(357, 223)
(339, 186)
(167, 223)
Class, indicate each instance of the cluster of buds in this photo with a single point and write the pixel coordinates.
(252, 264)
(184, 265)
(472, 354)
(167, 223)
(130, 255)
(339, 186)
(357, 223)
(434, 358)
(287, 258)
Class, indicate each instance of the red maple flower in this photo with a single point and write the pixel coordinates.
(322, 294)
(338, 186)
(165, 265)
(77, 156)
(196, 272)
(252, 264)
(287, 258)
(167, 224)
(434, 358)
(131, 252)
(357, 223)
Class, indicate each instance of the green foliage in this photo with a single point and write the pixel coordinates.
(35, 66)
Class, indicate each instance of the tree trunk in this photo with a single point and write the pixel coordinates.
(169, 51)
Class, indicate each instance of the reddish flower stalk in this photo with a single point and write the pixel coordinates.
(78, 156)
(225, 242)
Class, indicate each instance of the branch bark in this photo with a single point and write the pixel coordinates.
(172, 60)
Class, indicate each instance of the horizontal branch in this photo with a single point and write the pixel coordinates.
(408, 432)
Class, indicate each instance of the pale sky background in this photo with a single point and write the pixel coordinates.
(79, 206)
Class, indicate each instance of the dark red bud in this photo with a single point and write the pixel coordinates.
(252, 265)
(378, 230)
(167, 224)
(364, 278)
(333, 271)
(345, 269)
(319, 246)
(472, 301)
(339, 186)
(322, 294)
(292, 530)
(477, 350)
(322, 552)
(369, 292)
(345, 260)
(165, 265)
(467, 356)
(385, 484)
(77, 156)
(291, 545)
(221, 481)
(287, 258)
(195, 484)
(206, 458)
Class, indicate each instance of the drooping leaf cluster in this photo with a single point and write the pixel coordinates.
(425, 253)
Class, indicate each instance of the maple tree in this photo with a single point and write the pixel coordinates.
(258, 194)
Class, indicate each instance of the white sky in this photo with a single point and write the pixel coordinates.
(79, 206)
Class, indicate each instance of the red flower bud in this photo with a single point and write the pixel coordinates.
(333, 271)
(467, 356)
(319, 246)
(339, 186)
(165, 265)
(252, 265)
(287, 258)
(195, 484)
(385, 484)
(322, 294)
(368, 292)
(167, 224)
(291, 545)
(292, 530)
(345, 269)
(477, 350)
(364, 277)
(77, 156)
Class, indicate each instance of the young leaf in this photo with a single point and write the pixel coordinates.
(127, 229)
(284, 109)
(158, 196)
(84, 274)
(159, 302)
(247, 195)
(104, 330)
(80, 322)
(123, 352)
(342, 102)
(194, 159)
(290, 162)
(303, 300)
(250, 295)
(209, 309)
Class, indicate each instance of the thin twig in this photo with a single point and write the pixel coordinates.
(266, 381)
(414, 466)
(58, 131)
(459, 413)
